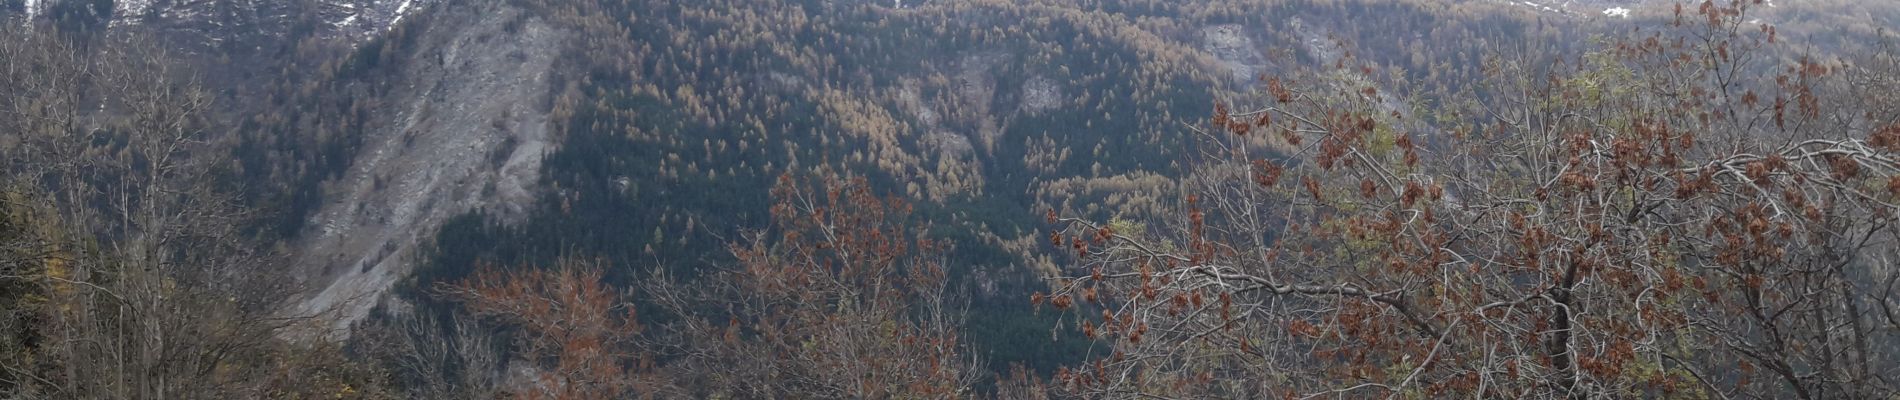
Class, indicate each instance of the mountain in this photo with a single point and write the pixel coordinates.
(391, 148)
(452, 134)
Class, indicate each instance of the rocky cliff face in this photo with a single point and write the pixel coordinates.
(466, 131)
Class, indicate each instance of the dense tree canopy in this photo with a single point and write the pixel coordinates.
(1685, 212)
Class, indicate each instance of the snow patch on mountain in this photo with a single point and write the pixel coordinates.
(401, 11)
(218, 21)
(1584, 8)
(1541, 7)
(367, 18)
(127, 11)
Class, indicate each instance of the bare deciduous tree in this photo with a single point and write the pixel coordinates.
(1682, 213)
(581, 334)
(842, 298)
(151, 291)
(458, 360)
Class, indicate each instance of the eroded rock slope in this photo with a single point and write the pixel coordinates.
(467, 132)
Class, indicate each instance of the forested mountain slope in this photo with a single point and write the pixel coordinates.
(379, 153)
